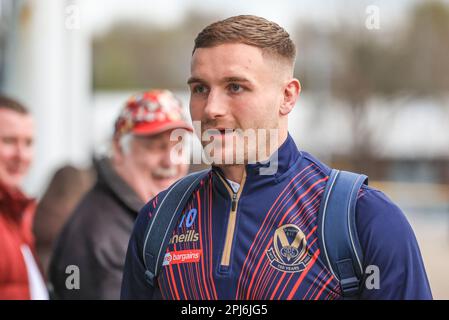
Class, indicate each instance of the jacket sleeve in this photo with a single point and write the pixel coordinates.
(391, 251)
(134, 285)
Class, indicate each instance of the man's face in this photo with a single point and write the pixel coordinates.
(234, 86)
(148, 166)
(16, 146)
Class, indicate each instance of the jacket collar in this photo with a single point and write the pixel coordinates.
(14, 203)
(279, 166)
(109, 177)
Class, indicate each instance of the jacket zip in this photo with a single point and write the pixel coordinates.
(235, 197)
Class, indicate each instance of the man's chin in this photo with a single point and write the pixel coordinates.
(226, 158)
(12, 182)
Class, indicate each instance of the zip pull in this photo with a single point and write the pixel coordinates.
(234, 201)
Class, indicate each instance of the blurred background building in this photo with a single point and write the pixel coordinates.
(375, 78)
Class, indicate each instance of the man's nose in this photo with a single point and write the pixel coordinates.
(215, 106)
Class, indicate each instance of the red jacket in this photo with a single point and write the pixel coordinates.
(16, 217)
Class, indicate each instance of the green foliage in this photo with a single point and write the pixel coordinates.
(136, 56)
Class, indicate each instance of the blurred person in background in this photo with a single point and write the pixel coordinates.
(96, 236)
(20, 275)
(67, 186)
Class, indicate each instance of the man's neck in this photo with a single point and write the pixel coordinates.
(235, 172)
(11, 191)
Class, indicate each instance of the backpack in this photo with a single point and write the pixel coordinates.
(337, 234)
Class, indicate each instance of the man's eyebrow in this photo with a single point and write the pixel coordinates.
(194, 80)
(235, 79)
(224, 80)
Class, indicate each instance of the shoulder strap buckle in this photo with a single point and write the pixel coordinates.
(337, 232)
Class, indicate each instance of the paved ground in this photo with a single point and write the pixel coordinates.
(426, 206)
(432, 232)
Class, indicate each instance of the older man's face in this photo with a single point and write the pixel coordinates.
(16, 146)
(149, 164)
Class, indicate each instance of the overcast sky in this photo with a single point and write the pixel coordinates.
(101, 14)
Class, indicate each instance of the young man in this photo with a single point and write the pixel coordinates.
(255, 234)
(96, 236)
(20, 276)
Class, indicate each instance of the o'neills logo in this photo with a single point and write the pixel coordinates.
(289, 251)
(182, 256)
(189, 236)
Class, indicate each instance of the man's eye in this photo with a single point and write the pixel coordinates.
(8, 140)
(199, 89)
(235, 88)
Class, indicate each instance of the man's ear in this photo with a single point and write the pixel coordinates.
(291, 93)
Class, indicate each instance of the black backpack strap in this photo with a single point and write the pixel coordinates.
(163, 222)
(337, 233)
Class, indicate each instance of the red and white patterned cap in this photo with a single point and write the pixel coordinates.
(151, 112)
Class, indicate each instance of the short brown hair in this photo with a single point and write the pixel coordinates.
(11, 104)
(250, 30)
